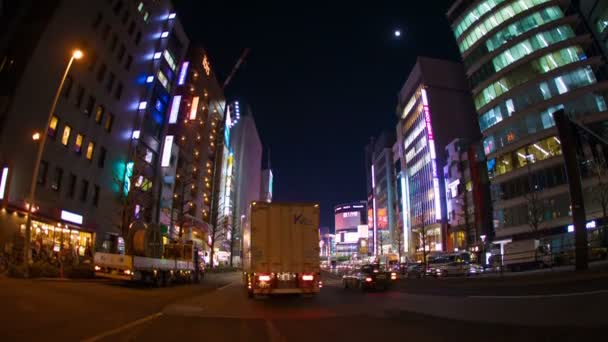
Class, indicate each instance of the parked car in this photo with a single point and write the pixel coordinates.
(455, 264)
(369, 277)
(414, 271)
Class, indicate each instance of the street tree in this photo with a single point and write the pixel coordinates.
(182, 201)
(466, 212)
(423, 234)
(216, 233)
(398, 238)
(600, 191)
(535, 205)
(133, 196)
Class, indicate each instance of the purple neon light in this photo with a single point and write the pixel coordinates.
(431, 140)
(182, 73)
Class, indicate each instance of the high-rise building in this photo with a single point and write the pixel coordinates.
(467, 196)
(99, 166)
(381, 192)
(595, 14)
(348, 233)
(195, 117)
(267, 185)
(247, 171)
(524, 60)
(434, 108)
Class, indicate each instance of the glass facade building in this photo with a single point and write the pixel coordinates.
(525, 60)
(434, 109)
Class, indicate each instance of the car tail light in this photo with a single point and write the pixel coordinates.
(368, 279)
(264, 277)
(393, 276)
(308, 277)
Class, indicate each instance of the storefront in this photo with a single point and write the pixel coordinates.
(60, 238)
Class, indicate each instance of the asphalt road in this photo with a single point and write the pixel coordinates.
(219, 311)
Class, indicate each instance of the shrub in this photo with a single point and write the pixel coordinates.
(43, 269)
(36, 270)
(16, 271)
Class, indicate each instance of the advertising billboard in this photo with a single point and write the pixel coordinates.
(347, 220)
(382, 218)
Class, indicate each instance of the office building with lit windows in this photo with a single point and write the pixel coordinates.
(195, 117)
(434, 108)
(381, 192)
(524, 60)
(105, 136)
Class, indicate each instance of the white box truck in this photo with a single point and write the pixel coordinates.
(281, 249)
(525, 254)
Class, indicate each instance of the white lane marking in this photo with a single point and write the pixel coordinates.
(225, 286)
(574, 294)
(122, 328)
(273, 333)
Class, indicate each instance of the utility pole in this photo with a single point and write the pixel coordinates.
(568, 139)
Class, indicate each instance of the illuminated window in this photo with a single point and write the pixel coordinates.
(602, 21)
(537, 93)
(474, 14)
(65, 137)
(90, 149)
(99, 114)
(522, 26)
(528, 46)
(500, 16)
(170, 60)
(78, 143)
(527, 72)
(149, 156)
(163, 80)
(53, 126)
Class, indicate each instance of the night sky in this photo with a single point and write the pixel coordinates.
(320, 81)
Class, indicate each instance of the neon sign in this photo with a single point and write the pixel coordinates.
(182, 73)
(431, 141)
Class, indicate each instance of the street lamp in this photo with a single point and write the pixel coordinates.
(76, 54)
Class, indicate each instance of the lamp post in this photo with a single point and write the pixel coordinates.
(41, 137)
(483, 248)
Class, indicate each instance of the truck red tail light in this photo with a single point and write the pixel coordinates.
(368, 279)
(308, 277)
(264, 277)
